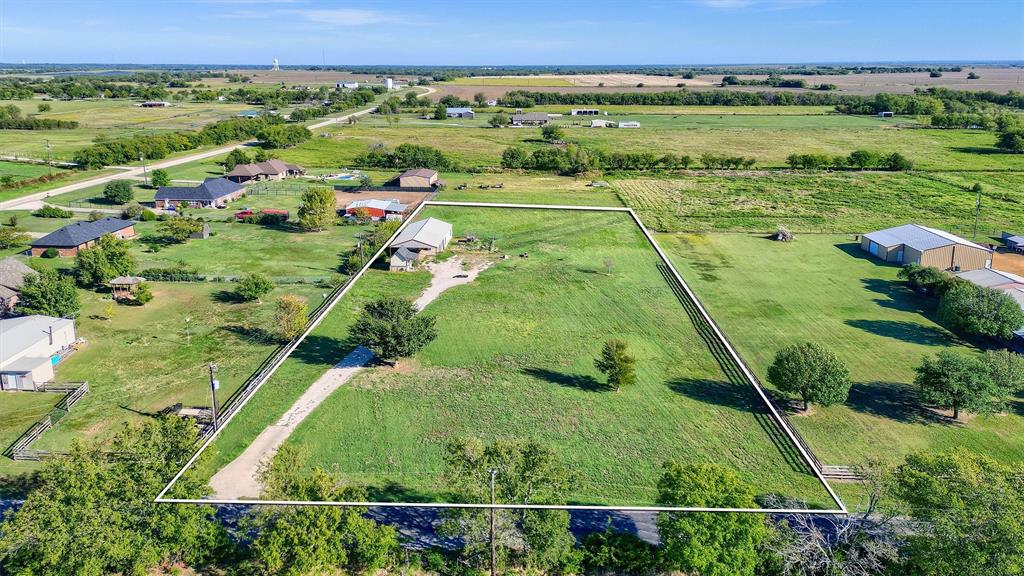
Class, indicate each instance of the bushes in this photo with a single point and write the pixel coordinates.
(50, 211)
(980, 311)
(119, 191)
(405, 156)
(132, 211)
(181, 272)
(283, 136)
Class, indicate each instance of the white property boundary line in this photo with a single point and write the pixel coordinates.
(661, 254)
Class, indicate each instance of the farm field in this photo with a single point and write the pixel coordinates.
(518, 345)
(141, 360)
(822, 288)
(125, 113)
(17, 171)
(767, 139)
(816, 202)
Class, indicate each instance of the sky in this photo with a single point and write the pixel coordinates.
(491, 32)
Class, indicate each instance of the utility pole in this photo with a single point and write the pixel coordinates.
(977, 214)
(145, 176)
(494, 473)
(214, 386)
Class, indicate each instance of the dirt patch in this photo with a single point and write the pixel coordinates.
(453, 272)
(1008, 261)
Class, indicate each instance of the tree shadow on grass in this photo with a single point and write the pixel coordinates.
(226, 297)
(391, 491)
(905, 331)
(578, 381)
(253, 334)
(891, 400)
(323, 350)
(979, 150)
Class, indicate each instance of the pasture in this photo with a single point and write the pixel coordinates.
(514, 358)
(821, 201)
(822, 288)
(144, 359)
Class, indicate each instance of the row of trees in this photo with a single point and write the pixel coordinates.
(405, 156)
(574, 159)
(91, 514)
(11, 118)
(858, 159)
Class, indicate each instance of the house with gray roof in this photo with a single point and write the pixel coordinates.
(81, 235)
(12, 278)
(213, 192)
(531, 119)
(272, 169)
(423, 237)
(916, 244)
(459, 113)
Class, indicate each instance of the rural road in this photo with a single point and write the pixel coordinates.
(31, 201)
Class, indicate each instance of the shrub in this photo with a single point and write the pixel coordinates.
(50, 211)
(143, 293)
(132, 211)
(253, 287)
(147, 215)
(51, 253)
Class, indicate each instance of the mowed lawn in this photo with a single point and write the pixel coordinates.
(823, 201)
(514, 359)
(143, 358)
(766, 295)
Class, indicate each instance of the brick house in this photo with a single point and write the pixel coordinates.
(211, 193)
(81, 235)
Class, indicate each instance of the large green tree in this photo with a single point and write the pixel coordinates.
(617, 364)
(391, 328)
(980, 311)
(958, 381)
(11, 236)
(253, 286)
(178, 229)
(108, 259)
(709, 544)
(969, 511)
(318, 208)
(525, 472)
(812, 372)
(160, 177)
(93, 514)
(50, 294)
(119, 191)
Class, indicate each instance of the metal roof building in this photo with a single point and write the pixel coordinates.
(431, 235)
(916, 244)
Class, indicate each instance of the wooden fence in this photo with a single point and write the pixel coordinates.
(22, 449)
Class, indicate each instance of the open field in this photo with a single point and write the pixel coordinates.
(767, 139)
(142, 360)
(518, 345)
(126, 113)
(822, 288)
(22, 171)
(839, 202)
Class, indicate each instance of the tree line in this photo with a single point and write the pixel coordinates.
(11, 118)
(858, 159)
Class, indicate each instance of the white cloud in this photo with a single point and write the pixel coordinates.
(343, 16)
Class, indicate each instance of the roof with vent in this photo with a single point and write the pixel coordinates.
(81, 232)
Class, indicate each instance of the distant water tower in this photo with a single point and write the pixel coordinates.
(276, 66)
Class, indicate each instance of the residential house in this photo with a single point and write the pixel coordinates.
(424, 238)
(213, 192)
(12, 278)
(81, 235)
(418, 178)
(459, 113)
(376, 209)
(915, 244)
(272, 169)
(531, 119)
(30, 347)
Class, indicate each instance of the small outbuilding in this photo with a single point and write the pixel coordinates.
(201, 234)
(460, 113)
(403, 260)
(376, 209)
(124, 287)
(424, 238)
(1013, 242)
(629, 124)
(584, 112)
(916, 244)
(531, 119)
(418, 178)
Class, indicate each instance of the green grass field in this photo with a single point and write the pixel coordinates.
(838, 202)
(141, 360)
(768, 139)
(514, 358)
(822, 288)
(21, 171)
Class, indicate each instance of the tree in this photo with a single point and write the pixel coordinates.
(514, 157)
(970, 509)
(973, 76)
(440, 112)
(480, 98)
(317, 208)
(812, 372)
(927, 279)
(525, 472)
(159, 177)
(50, 294)
(617, 364)
(315, 539)
(1011, 141)
(958, 381)
(119, 191)
(93, 514)
(143, 293)
(980, 311)
(391, 328)
(552, 133)
(234, 158)
(44, 107)
(253, 286)
(292, 314)
(107, 259)
(178, 229)
(706, 543)
(278, 136)
(498, 120)
(11, 236)
(1006, 368)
